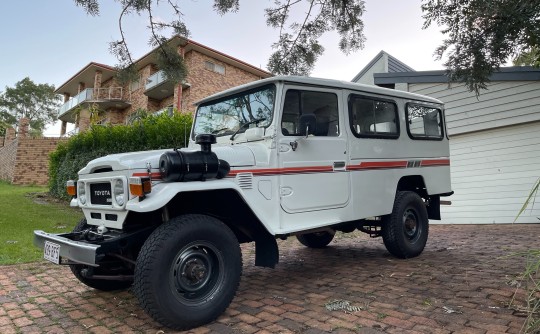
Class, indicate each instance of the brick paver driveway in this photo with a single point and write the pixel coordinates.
(459, 284)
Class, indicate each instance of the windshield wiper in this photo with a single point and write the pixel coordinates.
(255, 121)
(215, 132)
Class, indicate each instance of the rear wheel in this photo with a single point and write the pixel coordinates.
(188, 271)
(405, 230)
(316, 239)
(99, 284)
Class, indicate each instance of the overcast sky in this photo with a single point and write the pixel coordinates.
(49, 41)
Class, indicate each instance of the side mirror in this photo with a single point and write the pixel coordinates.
(307, 125)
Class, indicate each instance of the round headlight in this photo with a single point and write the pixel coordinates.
(118, 191)
(81, 192)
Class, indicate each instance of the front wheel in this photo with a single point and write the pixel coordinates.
(188, 271)
(316, 239)
(405, 230)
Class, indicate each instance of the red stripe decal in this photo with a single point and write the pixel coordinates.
(435, 162)
(365, 165)
(378, 165)
(153, 176)
(281, 171)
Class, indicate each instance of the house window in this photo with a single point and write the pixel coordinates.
(169, 110)
(373, 117)
(136, 84)
(424, 122)
(214, 67)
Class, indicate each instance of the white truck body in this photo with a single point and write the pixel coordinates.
(290, 156)
(325, 181)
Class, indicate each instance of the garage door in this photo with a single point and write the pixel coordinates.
(492, 174)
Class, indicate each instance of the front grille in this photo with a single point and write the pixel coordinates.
(100, 193)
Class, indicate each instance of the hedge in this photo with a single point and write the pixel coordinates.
(149, 133)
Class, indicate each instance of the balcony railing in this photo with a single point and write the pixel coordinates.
(110, 93)
(71, 133)
(76, 100)
(159, 87)
(97, 95)
(155, 79)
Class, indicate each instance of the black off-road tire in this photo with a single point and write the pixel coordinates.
(316, 239)
(98, 284)
(405, 230)
(188, 271)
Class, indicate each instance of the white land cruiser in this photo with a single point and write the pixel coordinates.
(280, 157)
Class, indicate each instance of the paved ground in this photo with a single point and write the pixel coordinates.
(461, 284)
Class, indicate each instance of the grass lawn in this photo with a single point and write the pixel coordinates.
(23, 210)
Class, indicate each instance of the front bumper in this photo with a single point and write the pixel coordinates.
(76, 251)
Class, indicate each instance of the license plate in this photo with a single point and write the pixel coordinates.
(51, 252)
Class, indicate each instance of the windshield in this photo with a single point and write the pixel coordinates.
(231, 114)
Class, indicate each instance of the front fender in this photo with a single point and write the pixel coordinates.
(163, 192)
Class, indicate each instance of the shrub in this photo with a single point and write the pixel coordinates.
(147, 133)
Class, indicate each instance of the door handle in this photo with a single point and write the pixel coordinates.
(339, 165)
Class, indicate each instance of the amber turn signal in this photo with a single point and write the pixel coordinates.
(140, 186)
(71, 188)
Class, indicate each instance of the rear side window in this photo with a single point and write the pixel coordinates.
(424, 122)
(373, 117)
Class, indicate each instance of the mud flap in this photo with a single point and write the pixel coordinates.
(266, 251)
(434, 207)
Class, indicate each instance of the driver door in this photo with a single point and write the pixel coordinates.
(312, 165)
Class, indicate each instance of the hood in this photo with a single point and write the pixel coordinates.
(236, 156)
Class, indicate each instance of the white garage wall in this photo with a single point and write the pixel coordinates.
(492, 174)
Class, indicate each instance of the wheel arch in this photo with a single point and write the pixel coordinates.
(416, 184)
(229, 206)
(413, 183)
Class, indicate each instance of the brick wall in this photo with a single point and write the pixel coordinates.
(32, 160)
(8, 154)
(26, 160)
(205, 82)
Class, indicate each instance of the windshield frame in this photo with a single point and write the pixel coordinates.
(268, 120)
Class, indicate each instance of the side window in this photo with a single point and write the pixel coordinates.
(323, 108)
(372, 117)
(424, 122)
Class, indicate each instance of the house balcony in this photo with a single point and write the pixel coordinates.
(159, 87)
(104, 98)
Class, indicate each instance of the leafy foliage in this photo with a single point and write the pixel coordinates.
(297, 48)
(6, 121)
(482, 35)
(37, 102)
(529, 279)
(528, 58)
(146, 133)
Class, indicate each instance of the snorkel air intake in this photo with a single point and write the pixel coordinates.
(177, 166)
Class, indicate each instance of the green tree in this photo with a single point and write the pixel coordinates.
(296, 50)
(6, 121)
(528, 58)
(482, 35)
(37, 102)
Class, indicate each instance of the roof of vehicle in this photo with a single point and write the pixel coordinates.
(325, 83)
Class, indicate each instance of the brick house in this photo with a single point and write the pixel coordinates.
(94, 94)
